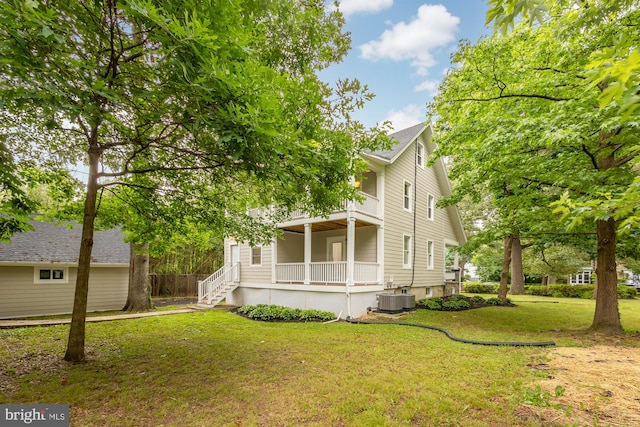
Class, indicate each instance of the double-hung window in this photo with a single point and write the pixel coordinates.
(431, 207)
(406, 251)
(256, 256)
(407, 202)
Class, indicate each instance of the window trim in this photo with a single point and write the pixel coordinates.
(407, 197)
(51, 279)
(430, 254)
(251, 263)
(420, 154)
(431, 207)
(406, 251)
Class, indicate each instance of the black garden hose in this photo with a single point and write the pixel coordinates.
(448, 334)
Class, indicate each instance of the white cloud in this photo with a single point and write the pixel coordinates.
(349, 7)
(410, 115)
(432, 28)
(429, 86)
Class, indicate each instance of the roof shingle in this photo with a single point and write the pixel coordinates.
(49, 242)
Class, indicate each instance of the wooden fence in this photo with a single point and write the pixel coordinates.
(175, 285)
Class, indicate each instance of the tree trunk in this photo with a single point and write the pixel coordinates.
(517, 275)
(138, 298)
(606, 318)
(504, 276)
(75, 345)
(545, 280)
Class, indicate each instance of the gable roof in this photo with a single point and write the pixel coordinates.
(403, 139)
(51, 243)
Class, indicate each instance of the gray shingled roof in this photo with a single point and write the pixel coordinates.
(403, 137)
(57, 243)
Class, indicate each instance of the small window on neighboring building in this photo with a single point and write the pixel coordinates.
(429, 255)
(420, 155)
(407, 196)
(256, 255)
(428, 292)
(431, 207)
(406, 252)
(51, 275)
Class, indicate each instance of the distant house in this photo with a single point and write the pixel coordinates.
(394, 240)
(38, 271)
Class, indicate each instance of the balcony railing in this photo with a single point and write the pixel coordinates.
(327, 272)
(370, 206)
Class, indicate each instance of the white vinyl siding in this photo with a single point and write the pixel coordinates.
(21, 297)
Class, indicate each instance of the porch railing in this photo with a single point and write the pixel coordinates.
(327, 272)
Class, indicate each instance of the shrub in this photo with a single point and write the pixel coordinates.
(439, 300)
(480, 288)
(627, 292)
(587, 295)
(432, 305)
(494, 301)
(456, 305)
(268, 312)
(477, 298)
(457, 297)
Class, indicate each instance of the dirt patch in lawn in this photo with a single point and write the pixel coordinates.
(600, 385)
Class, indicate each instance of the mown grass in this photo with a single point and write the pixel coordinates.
(217, 368)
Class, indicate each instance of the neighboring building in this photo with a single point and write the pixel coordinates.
(38, 271)
(583, 277)
(395, 240)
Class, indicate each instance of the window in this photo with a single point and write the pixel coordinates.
(429, 255)
(420, 155)
(431, 207)
(428, 292)
(51, 275)
(256, 255)
(406, 251)
(407, 196)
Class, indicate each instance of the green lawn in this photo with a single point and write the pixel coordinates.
(215, 368)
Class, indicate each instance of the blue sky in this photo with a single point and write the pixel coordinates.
(401, 49)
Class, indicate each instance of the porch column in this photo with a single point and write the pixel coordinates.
(351, 250)
(274, 259)
(307, 253)
(380, 253)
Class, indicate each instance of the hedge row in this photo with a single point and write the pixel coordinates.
(269, 312)
(558, 290)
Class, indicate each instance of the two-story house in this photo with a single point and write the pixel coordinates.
(394, 240)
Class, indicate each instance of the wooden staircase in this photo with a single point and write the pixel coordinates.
(215, 288)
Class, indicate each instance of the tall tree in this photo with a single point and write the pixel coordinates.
(521, 106)
(193, 98)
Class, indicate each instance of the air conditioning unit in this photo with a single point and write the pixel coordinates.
(408, 301)
(390, 303)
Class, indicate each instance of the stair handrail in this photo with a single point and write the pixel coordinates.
(211, 286)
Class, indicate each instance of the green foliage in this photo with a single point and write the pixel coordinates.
(456, 305)
(267, 312)
(627, 292)
(494, 301)
(477, 298)
(480, 288)
(438, 300)
(539, 397)
(430, 304)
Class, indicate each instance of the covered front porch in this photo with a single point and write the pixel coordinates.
(338, 251)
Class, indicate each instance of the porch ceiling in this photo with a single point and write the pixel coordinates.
(339, 224)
